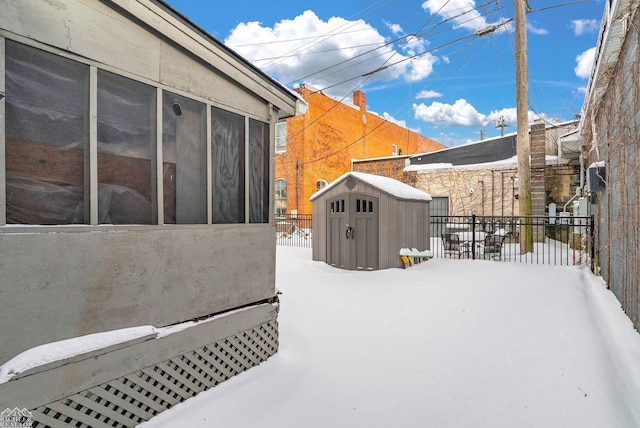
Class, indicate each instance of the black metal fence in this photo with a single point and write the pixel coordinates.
(556, 240)
(293, 230)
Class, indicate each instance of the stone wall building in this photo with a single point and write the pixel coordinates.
(481, 178)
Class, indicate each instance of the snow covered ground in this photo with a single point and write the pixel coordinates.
(446, 343)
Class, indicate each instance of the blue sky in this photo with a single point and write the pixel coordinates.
(420, 62)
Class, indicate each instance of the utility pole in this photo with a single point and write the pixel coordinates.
(523, 147)
(501, 123)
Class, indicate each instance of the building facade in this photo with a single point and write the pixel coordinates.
(135, 177)
(314, 149)
(482, 178)
(610, 144)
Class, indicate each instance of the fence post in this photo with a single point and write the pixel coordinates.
(473, 236)
(592, 243)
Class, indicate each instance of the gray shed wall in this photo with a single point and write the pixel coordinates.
(402, 224)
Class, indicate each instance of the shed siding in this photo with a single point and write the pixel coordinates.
(401, 223)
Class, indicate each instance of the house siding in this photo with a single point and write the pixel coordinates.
(79, 276)
(611, 134)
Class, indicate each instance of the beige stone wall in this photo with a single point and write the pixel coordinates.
(479, 191)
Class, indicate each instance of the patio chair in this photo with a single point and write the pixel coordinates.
(451, 244)
(492, 248)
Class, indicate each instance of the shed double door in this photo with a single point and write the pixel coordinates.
(352, 232)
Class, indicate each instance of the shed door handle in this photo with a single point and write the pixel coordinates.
(350, 231)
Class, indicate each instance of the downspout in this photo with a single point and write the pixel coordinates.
(297, 183)
(581, 173)
(564, 209)
(492, 194)
(482, 184)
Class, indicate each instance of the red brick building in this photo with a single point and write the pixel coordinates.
(316, 148)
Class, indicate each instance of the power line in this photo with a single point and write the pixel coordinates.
(416, 34)
(367, 75)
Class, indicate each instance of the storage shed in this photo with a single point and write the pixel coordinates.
(361, 221)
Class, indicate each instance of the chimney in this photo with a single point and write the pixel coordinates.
(360, 99)
(538, 163)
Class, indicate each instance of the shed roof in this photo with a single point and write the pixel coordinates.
(387, 185)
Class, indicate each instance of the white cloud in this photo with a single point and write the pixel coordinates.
(585, 26)
(336, 55)
(402, 123)
(395, 28)
(414, 45)
(428, 94)
(535, 30)
(463, 13)
(510, 117)
(420, 67)
(585, 63)
(461, 113)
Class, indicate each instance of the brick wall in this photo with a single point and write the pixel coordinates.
(322, 143)
(389, 167)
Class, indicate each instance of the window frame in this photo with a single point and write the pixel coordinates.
(161, 89)
(321, 181)
(278, 198)
(281, 137)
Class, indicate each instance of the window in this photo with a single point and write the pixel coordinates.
(259, 161)
(281, 196)
(364, 206)
(320, 184)
(227, 157)
(281, 137)
(126, 150)
(47, 137)
(338, 206)
(49, 172)
(184, 155)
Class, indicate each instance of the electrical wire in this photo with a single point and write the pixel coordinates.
(367, 75)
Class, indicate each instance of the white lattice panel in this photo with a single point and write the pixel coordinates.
(137, 397)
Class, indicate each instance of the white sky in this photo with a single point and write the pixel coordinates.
(446, 343)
